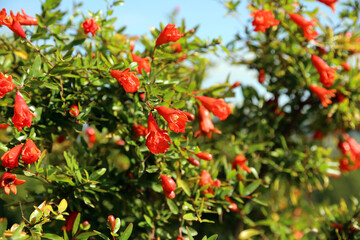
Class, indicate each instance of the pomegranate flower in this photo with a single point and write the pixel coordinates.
(330, 3)
(307, 26)
(261, 77)
(217, 106)
(205, 179)
(176, 47)
(346, 66)
(26, 19)
(206, 125)
(176, 118)
(6, 85)
(169, 186)
(22, 114)
(74, 111)
(12, 23)
(169, 34)
(143, 63)
(350, 147)
(323, 94)
(90, 26)
(11, 158)
(139, 130)
(327, 74)
(204, 156)
(240, 161)
(127, 79)
(30, 153)
(157, 140)
(233, 207)
(263, 19)
(9, 182)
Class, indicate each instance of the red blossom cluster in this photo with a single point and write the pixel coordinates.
(15, 22)
(350, 148)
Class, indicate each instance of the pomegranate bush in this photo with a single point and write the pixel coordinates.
(110, 136)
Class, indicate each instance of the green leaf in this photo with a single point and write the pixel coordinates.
(184, 186)
(62, 206)
(248, 233)
(97, 174)
(3, 226)
(252, 187)
(190, 217)
(172, 206)
(86, 235)
(126, 234)
(35, 67)
(149, 221)
(180, 104)
(76, 224)
(213, 237)
(51, 86)
(52, 236)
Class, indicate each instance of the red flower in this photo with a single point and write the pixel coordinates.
(327, 74)
(204, 156)
(22, 114)
(176, 47)
(318, 135)
(26, 19)
(169, 34)
(142, 96)
(157, 140)
(307, 26)
(6, 85)
(193, 161)
(112, 222)
(346, 66)
(263, 19)
(4, 126)
(143, 63)
(330, 3)
(233, 207)
(176, 118)
(90, 26)
(205, 178)
(127, 79)
(240, 161)
(12, 23)
(345, 166)
(69, 223)
(190, 116)
(217, 106)
(206, 125)
(323, 94)
(261, 77)
(120, 142)
(74, 111)
(235, 85)
(351, 148)
(9, 183)
(132, 46)
(11, 158)
(30, 152)
(169, 186)
(90, 132)
(140, 130)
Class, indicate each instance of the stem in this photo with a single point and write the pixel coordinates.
(38, 50)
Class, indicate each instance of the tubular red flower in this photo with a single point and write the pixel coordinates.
(205, 178)
(112, 222)
(90, 26)
(327, 74)
(176, 118)
(190, 116)
(233, 207)
(323, 94)
(351, 148)
(69, 223)
(139, 130)
(74, 111)
(9, 183)
(26, 19)
(30, 152)
(6, 85)
(346, 66)
(193, 161)
(217, 106)
(169, 34)
(261, 77)
(4, 126)
(157, 140)
(11, 158)
(240, 161)
(307, 26)
(204, 156)
(330, 3)
(206, 125)
(12, 23)
(263, 19)
(176, 47)
(22, 114)
(169, 186)
(127, 79)
(143, 63)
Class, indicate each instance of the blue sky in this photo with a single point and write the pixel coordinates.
(140, 15)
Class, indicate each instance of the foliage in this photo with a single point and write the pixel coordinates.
(84, 176)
